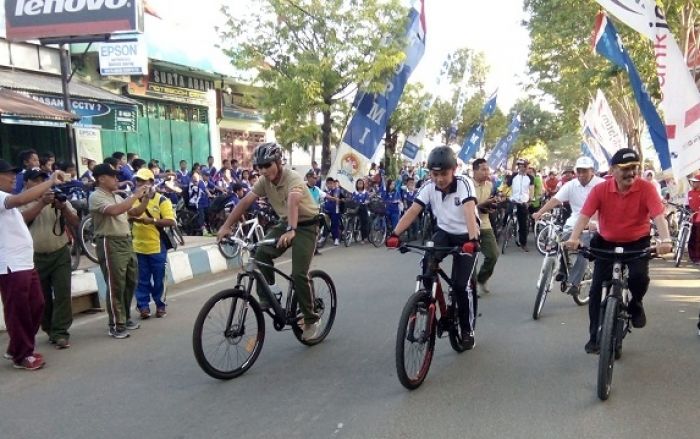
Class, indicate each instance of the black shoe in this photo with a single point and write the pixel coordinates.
(592, 347)
(560, 276)
(468, 339)
(639, 318)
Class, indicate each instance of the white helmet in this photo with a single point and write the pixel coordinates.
(584, 163)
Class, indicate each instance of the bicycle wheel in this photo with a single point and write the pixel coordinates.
(607, 348)
(229, 249)
(348, 226)
(87, 238)
(455, 332)
(75, 252)
(325, 302)
(582, 298)
(228, 334)
(505, 236)
(680, 246)
(415, 341)
(543, 239)
(378, 232)
(543, 286)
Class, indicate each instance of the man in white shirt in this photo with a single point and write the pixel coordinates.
(522, 190)
(20, 287)
(575, 193)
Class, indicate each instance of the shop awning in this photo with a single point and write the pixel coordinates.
(15, 107)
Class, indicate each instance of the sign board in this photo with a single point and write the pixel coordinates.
(175, 94)
(123, 58)
(36, 19)
(89, 144)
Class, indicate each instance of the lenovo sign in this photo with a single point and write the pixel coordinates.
(35, 19)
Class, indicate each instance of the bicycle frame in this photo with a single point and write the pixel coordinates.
(254, 225)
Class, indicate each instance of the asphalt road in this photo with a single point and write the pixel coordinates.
(524, 379)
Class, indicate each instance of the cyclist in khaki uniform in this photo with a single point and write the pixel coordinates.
(46, 219)
(288, 195)
(114, 248)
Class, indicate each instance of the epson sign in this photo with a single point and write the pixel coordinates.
(35, 19)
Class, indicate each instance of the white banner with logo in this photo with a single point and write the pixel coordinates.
(89, 145)
(123, 58)
(606, 127)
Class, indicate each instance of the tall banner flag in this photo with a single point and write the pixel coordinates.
(608, 44)
(490, 106)
(681, 98)
(368, 125)
(498, 156)
(606, 127)
(472, 142)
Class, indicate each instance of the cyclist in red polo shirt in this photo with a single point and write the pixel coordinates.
(624, 204)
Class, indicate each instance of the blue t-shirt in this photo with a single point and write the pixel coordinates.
(125, 174)
(409, 197)
(198, 195)
(392, 199)
(331, 206)
(361, 197)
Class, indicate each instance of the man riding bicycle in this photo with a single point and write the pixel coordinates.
(522, 192)
(575, 193)
(624, 204)
(288, 195)
(453, 203)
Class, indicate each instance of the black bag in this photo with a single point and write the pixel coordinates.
(167, 235)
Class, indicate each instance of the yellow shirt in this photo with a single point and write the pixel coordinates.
(147, 236)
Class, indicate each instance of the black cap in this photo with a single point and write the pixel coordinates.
(104, 169)
(625, 157)
(6, 167)
(33, 174)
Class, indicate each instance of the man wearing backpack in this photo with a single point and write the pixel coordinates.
(150, 246)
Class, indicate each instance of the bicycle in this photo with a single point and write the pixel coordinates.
(615, 317)
(229, 331)
(685, 217)
(511, 230)
(248, 231)
(419, 326)
(550, 220)
(377, 220)
(350, 223)
(556, 260)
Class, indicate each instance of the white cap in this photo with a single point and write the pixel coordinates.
(584, 163)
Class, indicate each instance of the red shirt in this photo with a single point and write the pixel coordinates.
(551, 184)
(623, 217)
(694, 203)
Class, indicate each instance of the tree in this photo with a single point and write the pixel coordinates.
(311, 55)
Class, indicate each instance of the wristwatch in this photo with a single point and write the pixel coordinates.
(291, 229)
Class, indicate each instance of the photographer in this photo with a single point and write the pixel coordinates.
(47, 219)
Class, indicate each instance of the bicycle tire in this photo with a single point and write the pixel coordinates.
(320, 307)
(545, 280)
(229, 250)
(584, 289)
(507, 231)
(253, 350)
(378, 233)
(680, 247)
(347, 232)
(418, 302)
(87, 238)
(542, 239)
(606, 360)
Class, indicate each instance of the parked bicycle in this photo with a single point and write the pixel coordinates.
(350, 223)
(419, 324)
(378, 221)
(229, 331)
(685, 223)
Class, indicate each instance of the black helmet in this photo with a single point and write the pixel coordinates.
(441, 158)
(267, 153)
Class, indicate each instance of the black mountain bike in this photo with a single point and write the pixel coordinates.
(615, 317)
(419, 324)
(230, 329)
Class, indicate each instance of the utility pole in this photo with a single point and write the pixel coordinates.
(65, 72)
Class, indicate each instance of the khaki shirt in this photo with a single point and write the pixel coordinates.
(277, 195)
(42, 228)
(483, 193)
(107, 225)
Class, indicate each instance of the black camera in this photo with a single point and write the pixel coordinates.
(59, 195)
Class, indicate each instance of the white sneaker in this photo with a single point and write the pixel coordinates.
(310, 330)
(7, 356)
(336, 242)
(483, 288)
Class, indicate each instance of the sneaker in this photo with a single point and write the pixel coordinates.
(118, 333)
(145, 313)
(592, 347)
(62, 343)
(7, 356)
(483, 288)
(160, 313)
(132, 325)
(639, 318)
(336, 242)
(310, 330)
(468, 340)
(30, 363)
(573, 291)
(525, 249)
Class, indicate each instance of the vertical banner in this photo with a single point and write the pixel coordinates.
(89, 144)
(499, 154)
(472, 143)
(412, 144)
(368, 125)
(606, 127)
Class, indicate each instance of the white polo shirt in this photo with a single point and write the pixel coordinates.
(575, 194)
(16, 245)
(448, 206)
(520, 187)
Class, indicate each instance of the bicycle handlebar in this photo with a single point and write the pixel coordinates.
(617, 254)
(406, 248)
(250, 246)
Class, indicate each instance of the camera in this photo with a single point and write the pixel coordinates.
(59, 195)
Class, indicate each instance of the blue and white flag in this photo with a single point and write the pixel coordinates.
(609, 44)
(490, 106)
(498, 156)
(411, 147)
(472, 142)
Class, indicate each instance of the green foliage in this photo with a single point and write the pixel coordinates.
(310, 56)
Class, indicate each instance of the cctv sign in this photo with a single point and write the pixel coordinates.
(123, 58)
(36, 19)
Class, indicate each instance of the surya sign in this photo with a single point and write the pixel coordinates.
(34, 19)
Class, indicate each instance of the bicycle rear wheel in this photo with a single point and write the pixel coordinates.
(680, 246)
(87, 238)
(348, 228)
(415, 341)
(378, 232)
(228, 335)
(325, 302)
(607, 348)
(543, 286)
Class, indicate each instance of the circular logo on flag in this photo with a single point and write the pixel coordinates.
(350, 164)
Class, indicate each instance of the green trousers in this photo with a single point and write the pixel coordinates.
(302, 247)
(55, 277)
(489, 248)
(120, 270)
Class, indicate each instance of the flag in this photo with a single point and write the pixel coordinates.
(412, 144)
(498, 156)
(490, 107)
(605, 127)
(608, 44)
(368, 125)
(472, 142)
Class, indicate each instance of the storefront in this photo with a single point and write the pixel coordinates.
(241, 124)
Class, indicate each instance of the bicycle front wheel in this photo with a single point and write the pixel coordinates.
(229, 249)
(543, 239)
(228, 334)
(543, 286)
(325, 302)
(680, 246)
(415, 341)
(505, 236)
(607, 348)
(378, 233)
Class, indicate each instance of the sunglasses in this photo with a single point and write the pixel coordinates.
(265, 166)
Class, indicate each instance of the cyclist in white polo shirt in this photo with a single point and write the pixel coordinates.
(522, 188)
(575, 193)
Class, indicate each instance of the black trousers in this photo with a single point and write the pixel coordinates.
(638, 277)
(462, 272)
(363, 214)
(522, 215)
